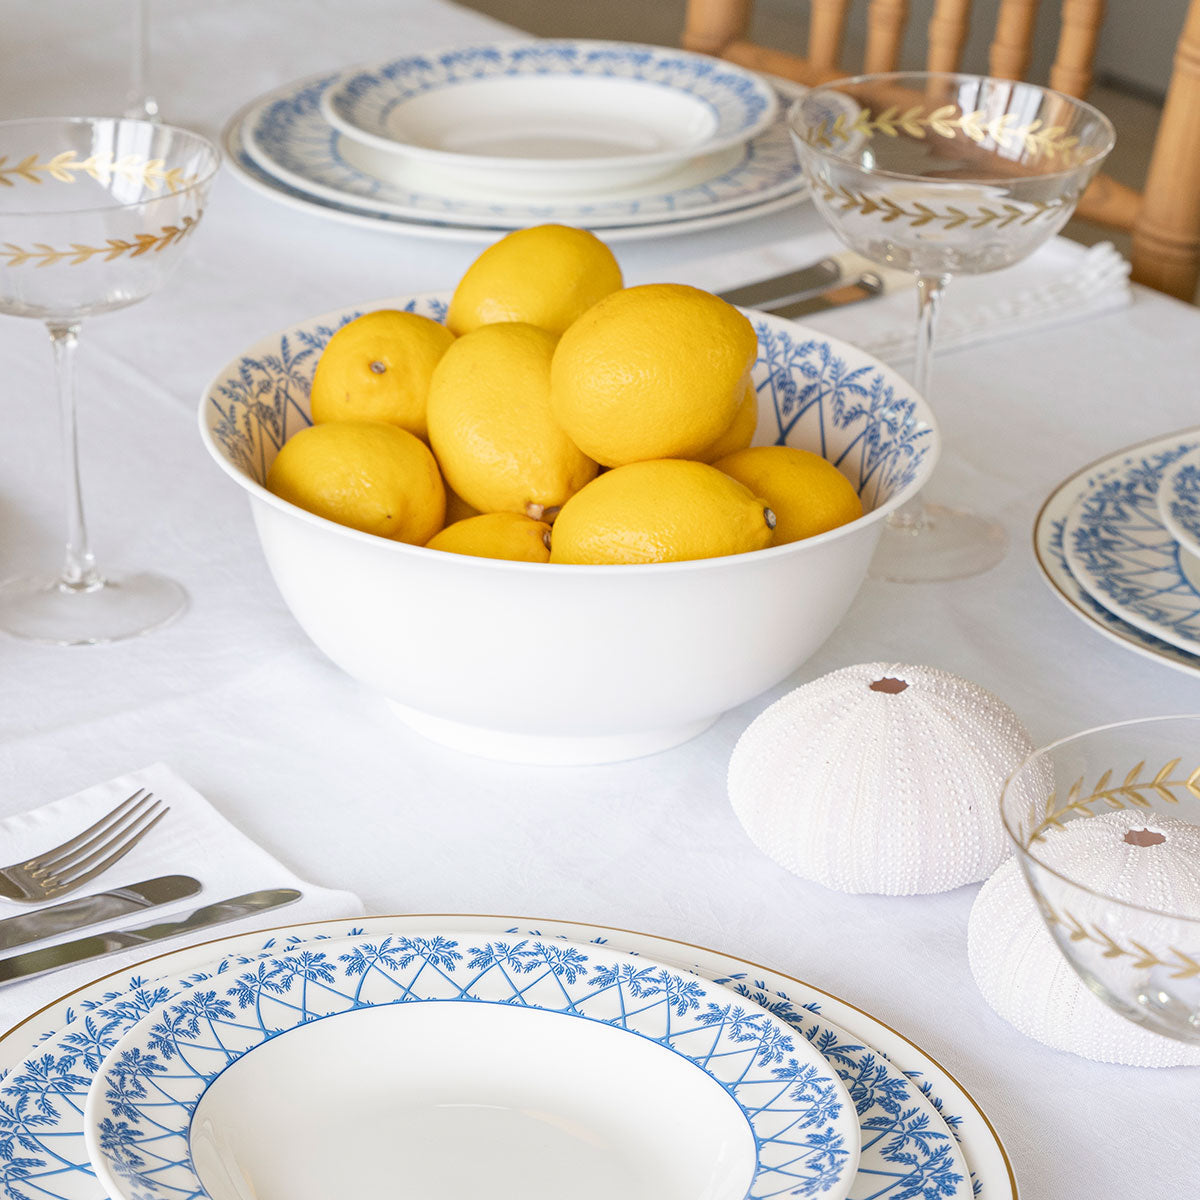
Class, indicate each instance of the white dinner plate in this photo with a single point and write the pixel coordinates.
(1048, 545)
(244, 168)
(905, 1100)
(547, 117)
(1179, 501)
(289, 139)
(458, 1064)
(1121, 552)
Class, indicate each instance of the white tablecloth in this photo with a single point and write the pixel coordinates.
(238, 701)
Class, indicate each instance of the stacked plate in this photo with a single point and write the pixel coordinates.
(1119, 541)
(461, 1056)
(466, 144)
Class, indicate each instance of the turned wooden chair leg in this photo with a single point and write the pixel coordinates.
(713, 24)
(1166, 234)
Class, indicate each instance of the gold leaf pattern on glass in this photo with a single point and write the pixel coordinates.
(1105, 796)
(1131, 792)
(41, 255)
(151, 173)
(919, 214)
(1035, 138)
(1180, 964)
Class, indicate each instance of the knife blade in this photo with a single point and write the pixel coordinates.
(51, 958)
(82, 911)
(820, 278)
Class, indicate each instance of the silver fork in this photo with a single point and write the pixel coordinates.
(64, 868)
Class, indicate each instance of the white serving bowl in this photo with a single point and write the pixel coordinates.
(552, 663)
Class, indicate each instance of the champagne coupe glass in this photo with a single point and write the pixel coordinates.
(942, 174)
(94, 215)
(140, 105)
(1107, 829)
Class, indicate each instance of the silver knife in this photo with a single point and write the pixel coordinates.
(82, 911)
(845, 269)
(50, 958)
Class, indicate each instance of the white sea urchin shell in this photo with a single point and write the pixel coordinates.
(880, 778)
(1017, 963)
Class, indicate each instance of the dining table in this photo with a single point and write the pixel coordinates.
(320, 773)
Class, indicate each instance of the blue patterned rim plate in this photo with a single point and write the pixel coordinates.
(904, 1099)
(362, 1062)
(1179, 501)
(558, 115)
(243, 167)
(286, 136)
(1120, 551)
(1049, 548)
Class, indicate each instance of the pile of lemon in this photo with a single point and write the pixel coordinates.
(556, 417)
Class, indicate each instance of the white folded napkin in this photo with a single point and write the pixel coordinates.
(1062, 281)
(192, 839)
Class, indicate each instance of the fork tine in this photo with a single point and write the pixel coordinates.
(99, 843)
(70, 880)
(49, 857)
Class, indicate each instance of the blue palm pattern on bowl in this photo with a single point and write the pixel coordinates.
(907, 1152)
(293, 138)
(41, 1099)
(737, 99)
(836, 401)
(1179, 498)
(1118, 547)
(152, 1083)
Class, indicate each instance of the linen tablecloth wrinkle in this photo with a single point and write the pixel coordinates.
(318, 771)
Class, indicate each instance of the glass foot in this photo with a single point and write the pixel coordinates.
(937, 544)
(45, 609)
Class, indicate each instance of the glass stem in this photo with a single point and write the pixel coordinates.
(79, 570)
(140, 104)
(911, 517)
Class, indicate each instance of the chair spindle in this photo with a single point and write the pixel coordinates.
(885, 28)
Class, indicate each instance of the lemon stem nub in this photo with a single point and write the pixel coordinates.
(534, 511)
(378, 368)
(546, 539)
(769, 517)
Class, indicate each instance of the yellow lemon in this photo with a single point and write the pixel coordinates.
(546, 275)
(496, 535)
(365, 474)
(457, 509)
(652, 372)
(740, 433)
(377, 368)
(491, 427)
(664, 510)
(807, 494)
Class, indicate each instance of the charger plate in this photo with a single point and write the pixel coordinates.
(1179, 501)
(562, 115)
(1121, 552)
(1048, 547)
(243, 167)
(516, 1051)
(905, 1100)
(289, 140)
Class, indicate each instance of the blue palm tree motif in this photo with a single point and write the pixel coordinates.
(14, 1172)
(267, 978)
(19, 1123)
(127, 1082)
(45, 1077)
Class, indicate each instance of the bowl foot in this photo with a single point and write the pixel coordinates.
(548, 750)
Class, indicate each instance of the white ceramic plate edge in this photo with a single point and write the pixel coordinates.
(389, 144)
(1082, 575)
(1183, 536)
(981, 1145)
(1071, 592)
(344, 214)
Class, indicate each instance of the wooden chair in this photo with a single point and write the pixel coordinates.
(1164, 218)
